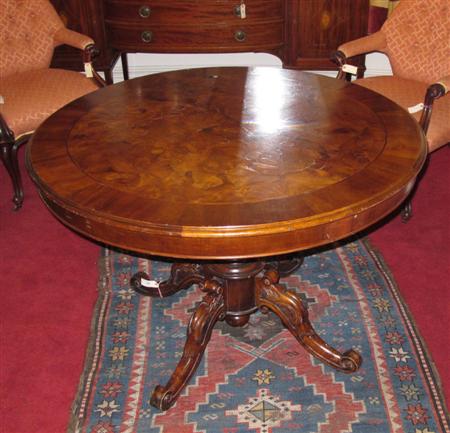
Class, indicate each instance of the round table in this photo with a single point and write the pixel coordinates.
(233, 169)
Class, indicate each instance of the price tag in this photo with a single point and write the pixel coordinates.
(350, 69)
(151, 284)
(88, 70)
(242, 13)
(416, 108)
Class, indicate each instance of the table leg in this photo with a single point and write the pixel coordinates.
(182, 276)
(201, 324)
(289, 307)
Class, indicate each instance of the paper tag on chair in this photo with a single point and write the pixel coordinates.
(416, 108)
(88, 70)
(2, 99)
(351, 69)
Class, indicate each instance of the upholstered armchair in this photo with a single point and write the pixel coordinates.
(30, 91)
(416, 38)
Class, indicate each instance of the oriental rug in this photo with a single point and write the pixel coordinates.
(258, 379)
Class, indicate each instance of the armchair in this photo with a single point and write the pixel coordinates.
(416, 38)
(30, 91)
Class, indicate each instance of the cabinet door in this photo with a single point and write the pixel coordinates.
(317, 27)
(84, 16)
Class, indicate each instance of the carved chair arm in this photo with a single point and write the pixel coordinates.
(444, 82)
(74, 39)
(434, 91)
(367, 44)
(84, 43)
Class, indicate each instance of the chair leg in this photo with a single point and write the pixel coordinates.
(407, 211)
(10, 161)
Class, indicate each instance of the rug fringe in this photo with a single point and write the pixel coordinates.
(77, 410)
(435, 377)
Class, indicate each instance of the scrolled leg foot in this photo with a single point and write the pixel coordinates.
(289, 307)
(162, 399)
(350, 361)
(201, 324)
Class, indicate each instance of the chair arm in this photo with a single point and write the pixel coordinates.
(74, 39)
(84, 43)
(367, 44)
(434, 91)
(444, 84)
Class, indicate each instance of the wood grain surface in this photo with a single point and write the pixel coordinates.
(226, 163)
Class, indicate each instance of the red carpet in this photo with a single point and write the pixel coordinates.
(48, 281)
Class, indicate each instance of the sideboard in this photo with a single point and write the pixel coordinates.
(302, 33)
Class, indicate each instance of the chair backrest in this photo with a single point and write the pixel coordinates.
(27, 28)
(418, 41)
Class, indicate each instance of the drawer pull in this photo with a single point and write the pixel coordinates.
(144, 11)
(146, 36)
(240, 35)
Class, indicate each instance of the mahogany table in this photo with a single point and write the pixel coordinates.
(233, 169)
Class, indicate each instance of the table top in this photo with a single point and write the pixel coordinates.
(226, 163)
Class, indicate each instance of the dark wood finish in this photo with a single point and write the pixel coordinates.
(9, 147)
(239, 162)
(318, 27)
(195, 26)
(227, 164)
(235, 290)
(302, 33)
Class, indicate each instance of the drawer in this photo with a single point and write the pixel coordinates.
(191, 12)
(160, 38)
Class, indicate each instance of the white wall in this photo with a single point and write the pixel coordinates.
(144, 64)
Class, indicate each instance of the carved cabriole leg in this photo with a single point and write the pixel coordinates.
(201, 324)
(8, 153)
(182, 276)
(289, 307)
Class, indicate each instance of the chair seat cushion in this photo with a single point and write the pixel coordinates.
(32, 96)
(408, 93)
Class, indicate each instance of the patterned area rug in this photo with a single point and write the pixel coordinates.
(258, 379)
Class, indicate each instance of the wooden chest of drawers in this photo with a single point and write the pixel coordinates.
(195, 26)
(302, 33)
